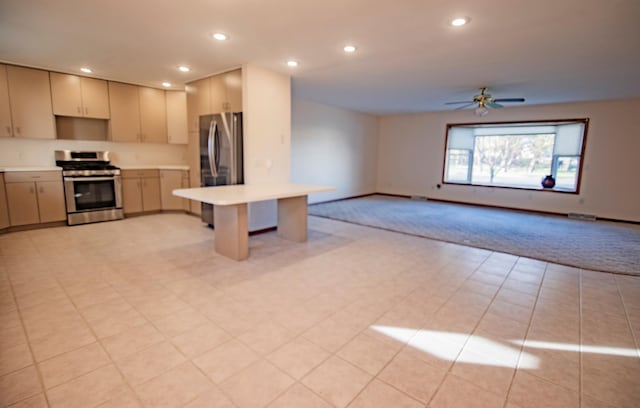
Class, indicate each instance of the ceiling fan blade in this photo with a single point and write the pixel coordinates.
(493, 105)
(465, 106)
(509, 100)
(457, 103)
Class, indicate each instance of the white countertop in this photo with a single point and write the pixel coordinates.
(246, 193)
(155, 167)
(29, 168)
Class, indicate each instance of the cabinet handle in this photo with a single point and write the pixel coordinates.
(86, 111)
(18, 129)
(41, 189)
(8, 130)
(79, 109)
(31, 190)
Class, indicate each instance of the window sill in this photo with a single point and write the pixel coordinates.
(551, 190)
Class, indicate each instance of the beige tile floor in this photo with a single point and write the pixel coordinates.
(143, 313)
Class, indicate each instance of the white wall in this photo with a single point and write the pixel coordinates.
(411, 157)
(333, 147)
(266, 106)
(36, 152)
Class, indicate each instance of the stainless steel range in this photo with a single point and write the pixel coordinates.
(92, 186)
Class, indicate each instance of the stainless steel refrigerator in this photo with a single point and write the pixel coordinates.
(220, 153)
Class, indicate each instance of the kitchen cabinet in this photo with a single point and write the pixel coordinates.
(4, 211)
(138, 114)
(226, 92)
(140, 191)
(153, 115)
(177, 117)
(125, 112)
(171, 180)
(6, 127)
(30, 103)
(35, 197)
(198, 102)
(78, 96)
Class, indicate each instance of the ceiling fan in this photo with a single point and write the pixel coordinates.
(484, 100)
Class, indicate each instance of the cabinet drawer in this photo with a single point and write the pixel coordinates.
(22, 176)
(144, 173)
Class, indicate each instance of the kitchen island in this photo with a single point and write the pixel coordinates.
(230, 212)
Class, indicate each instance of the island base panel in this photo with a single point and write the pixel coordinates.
(231, 231)
(292, 218)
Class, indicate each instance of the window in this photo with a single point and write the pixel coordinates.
(517, 155)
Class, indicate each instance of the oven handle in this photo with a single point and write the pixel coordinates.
(88, 178)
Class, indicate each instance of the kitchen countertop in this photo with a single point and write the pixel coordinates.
(7, 169)
(154, 167)
(247, 193)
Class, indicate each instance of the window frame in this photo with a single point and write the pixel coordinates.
(552, 122)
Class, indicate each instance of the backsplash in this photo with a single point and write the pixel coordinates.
(30, 152)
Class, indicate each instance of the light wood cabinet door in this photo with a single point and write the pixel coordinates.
(171, 180)
(22, 201)
(177, 117)
(198, 102)
(233, 84)
(4, 211)
(6, 128)
(30, 96)
(153, 115)
(131, 195)
(66, 94)
(51, 204)
(125, 112)
(151, 194)
(218, 93)
(95, 98)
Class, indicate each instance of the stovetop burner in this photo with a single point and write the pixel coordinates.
(85, 164)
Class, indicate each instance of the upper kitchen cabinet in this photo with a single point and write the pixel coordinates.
(125, 112)
(138, 114)
(233, 85)
(153, 115)
(177, 117)
(77, 96)
(30, 98)
(6, 128)
(226, 92)
(198, 102)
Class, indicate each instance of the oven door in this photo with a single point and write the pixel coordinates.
(93, 193)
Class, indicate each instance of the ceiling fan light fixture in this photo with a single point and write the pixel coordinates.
(480, 111)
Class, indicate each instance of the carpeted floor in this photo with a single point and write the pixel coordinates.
(596, 245)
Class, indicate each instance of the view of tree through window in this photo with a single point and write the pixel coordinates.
(515, 155)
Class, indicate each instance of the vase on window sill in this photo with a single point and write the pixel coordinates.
(548, 182)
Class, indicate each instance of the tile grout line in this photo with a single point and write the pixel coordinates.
(28, 341)
(526, 334)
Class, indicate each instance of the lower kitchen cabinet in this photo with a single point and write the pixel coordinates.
(35, 197)
(171, 180)
(4, 211)
(140, 191)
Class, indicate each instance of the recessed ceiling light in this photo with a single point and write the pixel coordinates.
(166, 84)
(220, 36)
(292, 63)
(460, 21)
(184, 68)
(349, 48)
(86, 70)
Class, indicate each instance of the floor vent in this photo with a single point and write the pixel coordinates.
(418, 198)
(585, 217)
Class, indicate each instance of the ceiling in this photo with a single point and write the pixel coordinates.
(409, 58)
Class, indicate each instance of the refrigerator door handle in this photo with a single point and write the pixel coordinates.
(232, 163)
(211, 147)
